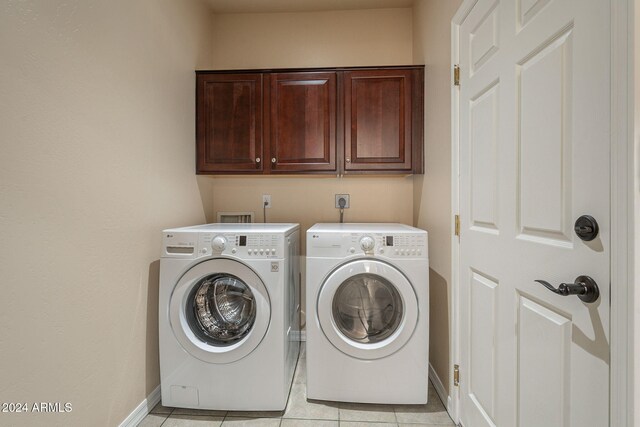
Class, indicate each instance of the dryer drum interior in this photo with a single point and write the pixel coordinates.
(221, 309)
(367, 308)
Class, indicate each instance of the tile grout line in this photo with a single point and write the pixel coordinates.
(167, 417)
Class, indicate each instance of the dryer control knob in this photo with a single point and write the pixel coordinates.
(367, 243)
(219, 243)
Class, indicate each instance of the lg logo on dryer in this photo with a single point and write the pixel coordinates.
(275, 267)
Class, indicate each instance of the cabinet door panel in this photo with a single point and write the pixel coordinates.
(378, 120)
(229, 123)
(302, 122)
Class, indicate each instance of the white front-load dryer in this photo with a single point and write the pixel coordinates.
(229, 315)
(367, 313)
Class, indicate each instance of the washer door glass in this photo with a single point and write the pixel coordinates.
(367, 308)
(221, 309)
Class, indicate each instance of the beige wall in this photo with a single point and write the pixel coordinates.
(309, 200)
(314, 39)
(96, 125)
(635, 43)
(432, 191)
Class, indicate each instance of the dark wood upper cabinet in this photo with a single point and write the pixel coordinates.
(380, 120)
(358, 120)
(302, 122)
(229, 123)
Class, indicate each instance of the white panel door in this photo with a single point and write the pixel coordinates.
(534, 156)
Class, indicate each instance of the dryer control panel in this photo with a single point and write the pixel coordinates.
(391, 245)
(403, 245)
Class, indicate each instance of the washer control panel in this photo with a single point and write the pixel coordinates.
(266, 246)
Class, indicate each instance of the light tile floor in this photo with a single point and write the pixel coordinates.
(303, 413)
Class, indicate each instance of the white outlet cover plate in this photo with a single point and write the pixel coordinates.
(338, 196)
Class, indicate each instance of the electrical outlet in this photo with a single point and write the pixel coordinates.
(266, 198)
(342, 196)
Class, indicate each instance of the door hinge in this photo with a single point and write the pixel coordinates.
(456, 375)
(457, 225)
(456, 75)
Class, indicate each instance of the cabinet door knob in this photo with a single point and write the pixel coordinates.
(273, 160)
(257, 159)
(348, 160)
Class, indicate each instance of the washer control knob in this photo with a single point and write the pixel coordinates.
(219, 243)
(352, 250)
(261, 251)
(250, 251)
(234, 250)
(381, 250)
(367, 243)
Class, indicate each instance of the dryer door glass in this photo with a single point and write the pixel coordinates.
(221, 309)
(367, 308)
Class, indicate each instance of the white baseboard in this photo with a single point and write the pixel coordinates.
(437, 384)
(143, 409)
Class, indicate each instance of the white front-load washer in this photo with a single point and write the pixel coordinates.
(229, 315)
(367, 313)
